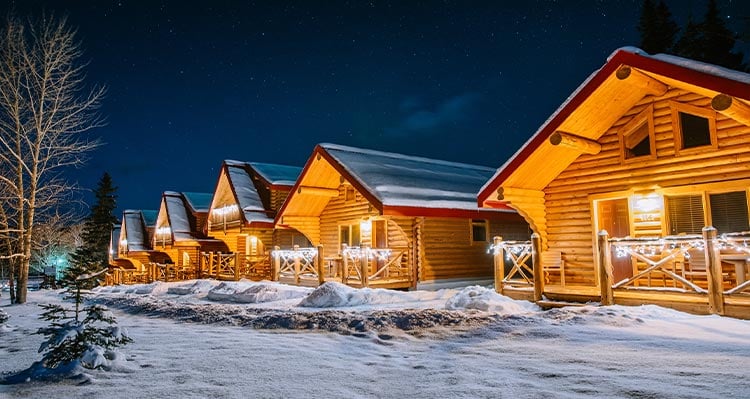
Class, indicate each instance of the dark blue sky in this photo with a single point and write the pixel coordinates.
(193, 83)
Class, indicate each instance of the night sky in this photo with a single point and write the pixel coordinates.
(193, 83)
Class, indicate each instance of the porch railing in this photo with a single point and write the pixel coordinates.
(521, 274)
(219, 265)
(364, 265)
(675, 260)
(298, 264)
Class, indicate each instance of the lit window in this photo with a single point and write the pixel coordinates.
(685, 214)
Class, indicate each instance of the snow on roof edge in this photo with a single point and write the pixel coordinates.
(394, 155)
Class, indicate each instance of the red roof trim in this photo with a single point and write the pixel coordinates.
(319, 150)
(414, 211)
(650, 64)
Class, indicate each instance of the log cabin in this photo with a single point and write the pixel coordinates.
(134, 252)
(180, 233)
(620, 182)
(389, 220)
(241, 214)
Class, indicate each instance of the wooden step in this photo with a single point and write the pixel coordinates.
(550, 304)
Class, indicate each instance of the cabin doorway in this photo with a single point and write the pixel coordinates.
(614, 216)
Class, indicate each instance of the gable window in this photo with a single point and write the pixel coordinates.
(637, 136)
(685, 214)
(478, 230)
(694, 127)
(729, 211)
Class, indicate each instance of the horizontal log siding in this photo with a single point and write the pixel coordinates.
(277, 199)
(569, 213)
(449, 252)
(337, 212)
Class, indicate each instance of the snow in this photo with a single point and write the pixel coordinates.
(281, 175)
(177, 215)
(404, 180)
(380, 343)
(200, 202)
(135, 222)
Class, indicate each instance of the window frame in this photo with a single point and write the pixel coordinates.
(479, 222)
(705, 193)
(646, 116)
(709, 115)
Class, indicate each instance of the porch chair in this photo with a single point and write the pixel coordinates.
(697, 266)
(552, 262)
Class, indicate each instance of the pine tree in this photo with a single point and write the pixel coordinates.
(92, 255)
(717, 41)
(687, 45)
(82, 334)
(657, 28)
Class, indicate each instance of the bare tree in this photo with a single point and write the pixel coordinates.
(45, 111)
(54, 241)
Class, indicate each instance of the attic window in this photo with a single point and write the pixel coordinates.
(637, 136)
(694, 127)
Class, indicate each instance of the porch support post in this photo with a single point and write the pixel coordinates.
(319, 265)
(536, 262)
(713, 269)
(605, 268)
(364, 263)
(236, 260)
(497, 257)
(296, 265)
(345, 263)
(276, 263)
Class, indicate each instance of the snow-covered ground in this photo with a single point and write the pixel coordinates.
(237, 340)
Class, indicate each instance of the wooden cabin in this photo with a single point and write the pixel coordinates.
(649, 149)
(242, 211)
(180, 233)
(390, 220)
(134, 252)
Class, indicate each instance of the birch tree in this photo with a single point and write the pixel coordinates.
(46, 111)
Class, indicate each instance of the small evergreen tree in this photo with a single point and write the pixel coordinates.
(92, 256)
(85, 334)
(657, 28)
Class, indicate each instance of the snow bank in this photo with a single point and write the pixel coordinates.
(196, 288)
(247, 292)
(336, 295)
(155, 288)
(480, 298)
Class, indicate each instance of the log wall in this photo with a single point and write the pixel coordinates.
(569, 212)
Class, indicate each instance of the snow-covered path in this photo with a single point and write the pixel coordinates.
(621, 352)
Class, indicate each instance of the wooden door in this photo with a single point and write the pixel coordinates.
(614, 216)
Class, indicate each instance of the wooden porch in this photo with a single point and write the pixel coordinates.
(705, 274)
(355, 266)
(233, 266)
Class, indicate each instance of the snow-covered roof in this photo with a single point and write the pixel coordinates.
(280, 175)
(178, 216)
(200, 202)
(712, 77)
(135, 222)
(411, 181)
(247, 195)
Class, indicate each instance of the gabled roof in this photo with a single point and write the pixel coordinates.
(393, 183)
(177, 209)
(200, 202)
(277, 175)
(598, 102)
(136, 223)
(114, 241)
(240, 176)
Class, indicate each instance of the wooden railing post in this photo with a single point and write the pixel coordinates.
(345, 262)
(605, 268)
(319, 265)
(364, 263)
(276, 262)
(236, 260)
(713, 269)
(211, 264)
(296, 265)
(498, 257)
(536, 262)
